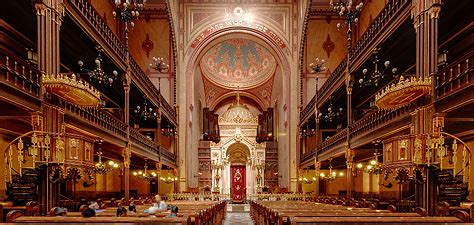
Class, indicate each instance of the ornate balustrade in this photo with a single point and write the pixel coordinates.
(143, 142)
(99, 118)
(167, 155)
(337, 74)
(308, 156)
(455, 76)
(333, 141)
(197, 196)
(384, 19)
(88, 12)
(19, 74)
(377, 119)
(308, 108)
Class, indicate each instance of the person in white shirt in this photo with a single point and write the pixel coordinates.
(158, 206)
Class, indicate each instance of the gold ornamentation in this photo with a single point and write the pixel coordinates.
(403, 92)
(71, 89)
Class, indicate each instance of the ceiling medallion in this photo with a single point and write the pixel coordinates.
(403, 92)
(71, 89)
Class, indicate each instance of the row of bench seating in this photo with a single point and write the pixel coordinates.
(299, 212)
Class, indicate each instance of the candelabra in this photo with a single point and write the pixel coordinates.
(332, 114)
(374, 167)
(98, 74)
(103, 168)
(350, 14)
(377, 75)
(317, 66)
(126, 11)
(145, 112)
(169, 131)
(332, 174)
(144, 174)
(159, 65)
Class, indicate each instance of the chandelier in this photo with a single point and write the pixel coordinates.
(374, 167)
(332, 174)
(98, 74)
(348, 11)
(317, 66)
(377, 75)
(332, 114)
(159, 65)
(169, 179)
(145, 112)
(168, 131)
(101, 167)
(144, 174)
(307, 133)
(128, 9)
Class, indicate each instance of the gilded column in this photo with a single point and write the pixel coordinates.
(425, 14)
(126, 154)
(350, 164)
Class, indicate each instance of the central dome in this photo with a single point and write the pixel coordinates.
(238, 63)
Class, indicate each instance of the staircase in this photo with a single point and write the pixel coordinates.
(451, 189)
(24, 188)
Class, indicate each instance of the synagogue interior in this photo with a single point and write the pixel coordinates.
(236, 111)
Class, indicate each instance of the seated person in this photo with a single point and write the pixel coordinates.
(94, 205)
(58, 211)
(88, 212)
(158, 206)
(132, 208)
(173, 211)
(121, 211)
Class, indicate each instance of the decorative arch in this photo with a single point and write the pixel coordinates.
(238, 153)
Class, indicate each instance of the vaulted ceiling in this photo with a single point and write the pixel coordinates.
(238, 64)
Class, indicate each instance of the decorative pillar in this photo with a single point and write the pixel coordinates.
(158, 176)
(350, 164)
(158, 127)
(317, 171)
(425, 14)
(126, 154)
(49, 14)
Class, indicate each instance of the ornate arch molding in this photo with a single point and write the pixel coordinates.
(175, 50)
(232, 93)
(282, 54)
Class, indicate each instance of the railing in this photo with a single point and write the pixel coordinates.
(309, 107)
(19, 74)
(197, 196)
(95, 20)
(333, 141)
(308, 156)
(376, 119)
(455, 76)
(168, 108)
(335, 75)
(383, 19)
(99, 118)
(281, 197)
(139, 139)
(167, 155)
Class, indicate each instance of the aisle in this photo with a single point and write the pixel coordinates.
(238, 214)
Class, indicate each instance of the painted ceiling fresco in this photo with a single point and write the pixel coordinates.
(238, 63)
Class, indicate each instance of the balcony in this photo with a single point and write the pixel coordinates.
(87, 12)
(101, 120)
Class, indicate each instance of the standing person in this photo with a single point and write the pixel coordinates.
(158, 206)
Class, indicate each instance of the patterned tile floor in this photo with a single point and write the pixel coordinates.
(238, 214)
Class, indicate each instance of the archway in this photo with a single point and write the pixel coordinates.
(238, 155)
